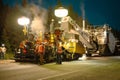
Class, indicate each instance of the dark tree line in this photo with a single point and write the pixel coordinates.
(11, 33)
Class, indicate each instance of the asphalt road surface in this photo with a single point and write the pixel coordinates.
(94, 68)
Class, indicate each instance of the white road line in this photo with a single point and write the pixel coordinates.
(59, 75)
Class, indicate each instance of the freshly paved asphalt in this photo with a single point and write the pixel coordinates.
(94, 68)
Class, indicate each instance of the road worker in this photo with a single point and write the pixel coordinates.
(59, 53)
(3, 51)
(40, 52)
(0, 53)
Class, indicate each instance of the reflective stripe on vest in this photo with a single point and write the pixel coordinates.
(59, 50)
(40, 48)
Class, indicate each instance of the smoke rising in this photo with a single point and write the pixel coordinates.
(39, 19)
(83, 14)
(83, 10)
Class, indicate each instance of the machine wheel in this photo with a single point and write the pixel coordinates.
(104, 50)
(89, 54)
(117, 47)
(92, 51)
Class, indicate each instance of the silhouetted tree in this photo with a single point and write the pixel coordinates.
(4, 10)
(24, 3)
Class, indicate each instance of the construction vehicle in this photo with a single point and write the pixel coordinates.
(25, 51)
(74, 40)
(99, 40)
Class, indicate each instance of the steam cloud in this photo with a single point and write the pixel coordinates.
(39, 20)
(83, 10)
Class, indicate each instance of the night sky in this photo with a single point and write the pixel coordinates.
(97, 12)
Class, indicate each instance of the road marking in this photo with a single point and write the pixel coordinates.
(59, 75)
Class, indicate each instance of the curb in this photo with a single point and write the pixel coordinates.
(6, 61)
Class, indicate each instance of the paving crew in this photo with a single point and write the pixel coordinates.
(3, 51)
(59, 53)
(0, 53)
(40, 52)
(22, 46)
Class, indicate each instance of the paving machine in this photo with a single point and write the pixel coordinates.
(74, 40)
(99, 40)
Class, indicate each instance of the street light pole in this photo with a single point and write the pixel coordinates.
(61, 12)
(24, 21)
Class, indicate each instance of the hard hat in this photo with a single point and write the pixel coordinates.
(3, 45)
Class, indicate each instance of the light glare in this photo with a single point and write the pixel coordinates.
(61, 12)
(23, 21)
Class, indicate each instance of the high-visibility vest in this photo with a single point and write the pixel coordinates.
(40, 49)
(59, 50)
(24, 51)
